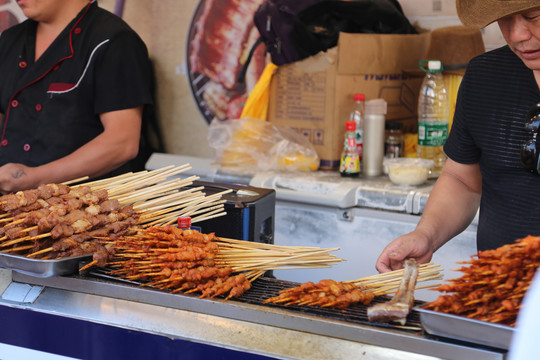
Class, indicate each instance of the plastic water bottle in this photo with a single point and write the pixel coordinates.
(433, 112)
(357, 115)
(350, 161)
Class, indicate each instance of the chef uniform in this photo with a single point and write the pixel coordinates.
(51, 107)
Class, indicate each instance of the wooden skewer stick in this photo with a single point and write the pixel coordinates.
(120, 180)
(183, 197)
(89, 265)
(16, 222)
(151, 191)
(169, 202)
(168, 218)
(200, 218)
(174, 211)
(109, 183)
(76, 180)
(20, 248)
(26, 238)
(42, 251)
(158, 175)
(131, 189)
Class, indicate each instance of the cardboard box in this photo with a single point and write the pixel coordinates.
(315, 95)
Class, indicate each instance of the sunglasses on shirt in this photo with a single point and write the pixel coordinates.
(529, 150)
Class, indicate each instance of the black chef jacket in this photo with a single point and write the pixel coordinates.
(51, 107)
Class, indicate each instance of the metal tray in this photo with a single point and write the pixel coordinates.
(42, 268)
(465, 329)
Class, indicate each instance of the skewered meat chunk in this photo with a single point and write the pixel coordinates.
(168, 258)
(109, 206)
(12, 202)
(326, 293)
(15, 232)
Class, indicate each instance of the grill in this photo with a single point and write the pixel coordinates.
(350, 323)
(267, 287)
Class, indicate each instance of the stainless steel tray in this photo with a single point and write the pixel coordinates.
(42, 268)
(465, 329)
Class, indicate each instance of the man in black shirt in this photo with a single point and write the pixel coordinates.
(484, 170)
(74, 79)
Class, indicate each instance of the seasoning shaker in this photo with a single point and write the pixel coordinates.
(374, 127)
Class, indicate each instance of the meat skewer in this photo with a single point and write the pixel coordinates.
(493, 285)
(19, 199)
(401, 304)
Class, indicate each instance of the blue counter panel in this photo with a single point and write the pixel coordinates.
(86, 340)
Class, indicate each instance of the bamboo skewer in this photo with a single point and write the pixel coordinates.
(20, 248)
(142, 182)
(99, 184)
(151, 191)
(76, 180)
(43, 251)
(26, 238)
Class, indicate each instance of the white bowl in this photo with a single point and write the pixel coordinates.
(408, 171)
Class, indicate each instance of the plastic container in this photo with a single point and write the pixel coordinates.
(433, 112)
(349, 164)
(408, 171)
(374, 123)
(357, 115)
(394, 140)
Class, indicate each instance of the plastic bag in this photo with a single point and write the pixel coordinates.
(257, 144)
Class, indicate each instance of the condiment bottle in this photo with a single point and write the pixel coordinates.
(357, 115)
(394, 140)
(374, 123)
(184, 222)
(349, 164)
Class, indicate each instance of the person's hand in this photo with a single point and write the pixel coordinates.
(412, 245)
(15, 177)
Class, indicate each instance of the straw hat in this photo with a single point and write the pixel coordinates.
(480, 13)
(454, 46)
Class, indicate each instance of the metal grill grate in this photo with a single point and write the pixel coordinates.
(266, 287)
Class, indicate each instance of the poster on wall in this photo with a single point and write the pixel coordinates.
(220, 36)
(10, 14)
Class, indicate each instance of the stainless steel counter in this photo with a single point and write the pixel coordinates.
(228, 324)
(360, 216)
(323, 188)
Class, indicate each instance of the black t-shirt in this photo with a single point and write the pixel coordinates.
(488, 128)
(51, 107)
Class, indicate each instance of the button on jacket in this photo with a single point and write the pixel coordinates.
(51, 106)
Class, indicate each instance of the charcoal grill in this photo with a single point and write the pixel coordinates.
(266, 287)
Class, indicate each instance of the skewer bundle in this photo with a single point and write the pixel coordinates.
(168, 258)
(58, 220)
(330, 293)
(494, 283)
(175, 260)
(249, 256)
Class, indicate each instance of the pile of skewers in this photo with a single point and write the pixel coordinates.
(57, 220)
(330, 293)
(171, 259)
(494, 283)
